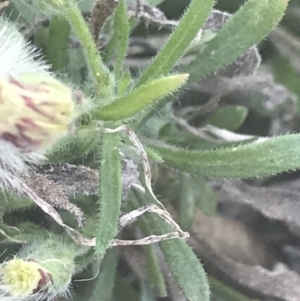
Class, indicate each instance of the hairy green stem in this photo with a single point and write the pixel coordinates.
(100, 73)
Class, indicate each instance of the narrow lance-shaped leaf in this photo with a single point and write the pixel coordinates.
(155, 277)
(76, 64)
(230, 117)
(140, 98)
(123, 291)
(106, 279)
(71, 12)
(247, 27)
(122, 30)
(206, 199)
(147, 294)
(263, 157)
(10, 202)
(110, 175)
(187, 201)
(184, 266)
(75, 146)
(187, 29)
(58, 42)
(41, 39)
(100, 73)
(124, 82)
(222, 291)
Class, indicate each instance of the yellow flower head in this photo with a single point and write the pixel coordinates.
(35, 111)
(20, 278)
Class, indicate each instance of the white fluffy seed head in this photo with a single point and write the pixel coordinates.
(16, 55)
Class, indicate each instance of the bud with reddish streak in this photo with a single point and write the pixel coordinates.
(40, 271)
(35, 111)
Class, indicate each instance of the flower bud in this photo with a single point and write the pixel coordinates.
(23, 278)
(42, 270)
(35, 111)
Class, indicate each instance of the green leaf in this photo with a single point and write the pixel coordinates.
(184, 266)
(106, 279)
(261, 158)
(140, 98)
(58, 42)
(285, 73)
(124, 291)
(23, 10)
(187, 201)
(108, 30)
(154, 155)
(122, 30)
(124, 82)
(77, 64)
(146, 293)
(155, 2)
(187, 29)
(7, 234)
(41, 38)
(154, 274)
(230, 117)
(247, 27)
(86, 5)
(206, 199)
(110, 175)
(102, 77)
(72, 147)
(222, 292)
(174, 135)
(186, 270)
(10, 202)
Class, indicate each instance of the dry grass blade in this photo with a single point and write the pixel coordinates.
(151, 208)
